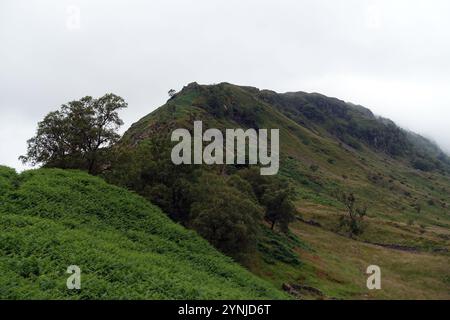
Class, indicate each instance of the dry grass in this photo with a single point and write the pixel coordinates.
(338, 266)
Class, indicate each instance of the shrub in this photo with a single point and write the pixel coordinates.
(224, 216)
(353, 220)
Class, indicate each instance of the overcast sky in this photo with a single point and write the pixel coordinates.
(391, 56)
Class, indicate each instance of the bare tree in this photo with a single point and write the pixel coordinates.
(353, 221)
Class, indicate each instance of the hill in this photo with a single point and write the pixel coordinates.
(328, 146)
(126, 247)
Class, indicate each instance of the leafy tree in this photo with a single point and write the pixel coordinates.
(158, 173)
(224, 217)
(172, 93)
(146, 168)
(275, 194)
(258, 182)
(73, 136)
(280, 208)
(242, 186)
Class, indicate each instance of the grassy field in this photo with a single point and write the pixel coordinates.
(337, 266)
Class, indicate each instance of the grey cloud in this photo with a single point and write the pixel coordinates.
(391, 56)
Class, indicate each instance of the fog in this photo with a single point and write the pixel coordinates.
(390, 56)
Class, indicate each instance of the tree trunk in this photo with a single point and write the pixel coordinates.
(91, 164)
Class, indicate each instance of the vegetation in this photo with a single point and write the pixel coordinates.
(226, 209)
(171, 93)
(126, 248)
(357, 126)
(225, 216)
(73, 136)
(328, 147)
(276, 195)
(353, 221)
(319, 162)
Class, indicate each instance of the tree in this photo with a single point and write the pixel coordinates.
(279, 206)
(275, 194)
(73, 137)
(172, 93)
(224, 216)
(355, 214)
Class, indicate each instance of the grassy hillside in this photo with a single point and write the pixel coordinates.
(330, 146)
(336, 265)
(126, 248)
(319, 163)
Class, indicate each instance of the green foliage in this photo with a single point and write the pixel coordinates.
(147, 169)
(126, 248)
(276, 195)
(73, 136)
(353, 221)
(423, 165)
(224, 101)
(278, 200)
(348, 144)
(171, 93)
(225, 216)
(357, 126)
(276, 247)
(8, 177)
(225, 209)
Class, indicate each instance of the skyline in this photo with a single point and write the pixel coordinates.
(390, 57)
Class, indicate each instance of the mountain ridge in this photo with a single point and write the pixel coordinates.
(327, 147)
(291, 230)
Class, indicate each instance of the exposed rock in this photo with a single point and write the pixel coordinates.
(297, 290)
(302, 288)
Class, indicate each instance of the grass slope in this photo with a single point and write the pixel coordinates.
(407, 207)
(126, 248)
(337, 266)
(389, 185)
